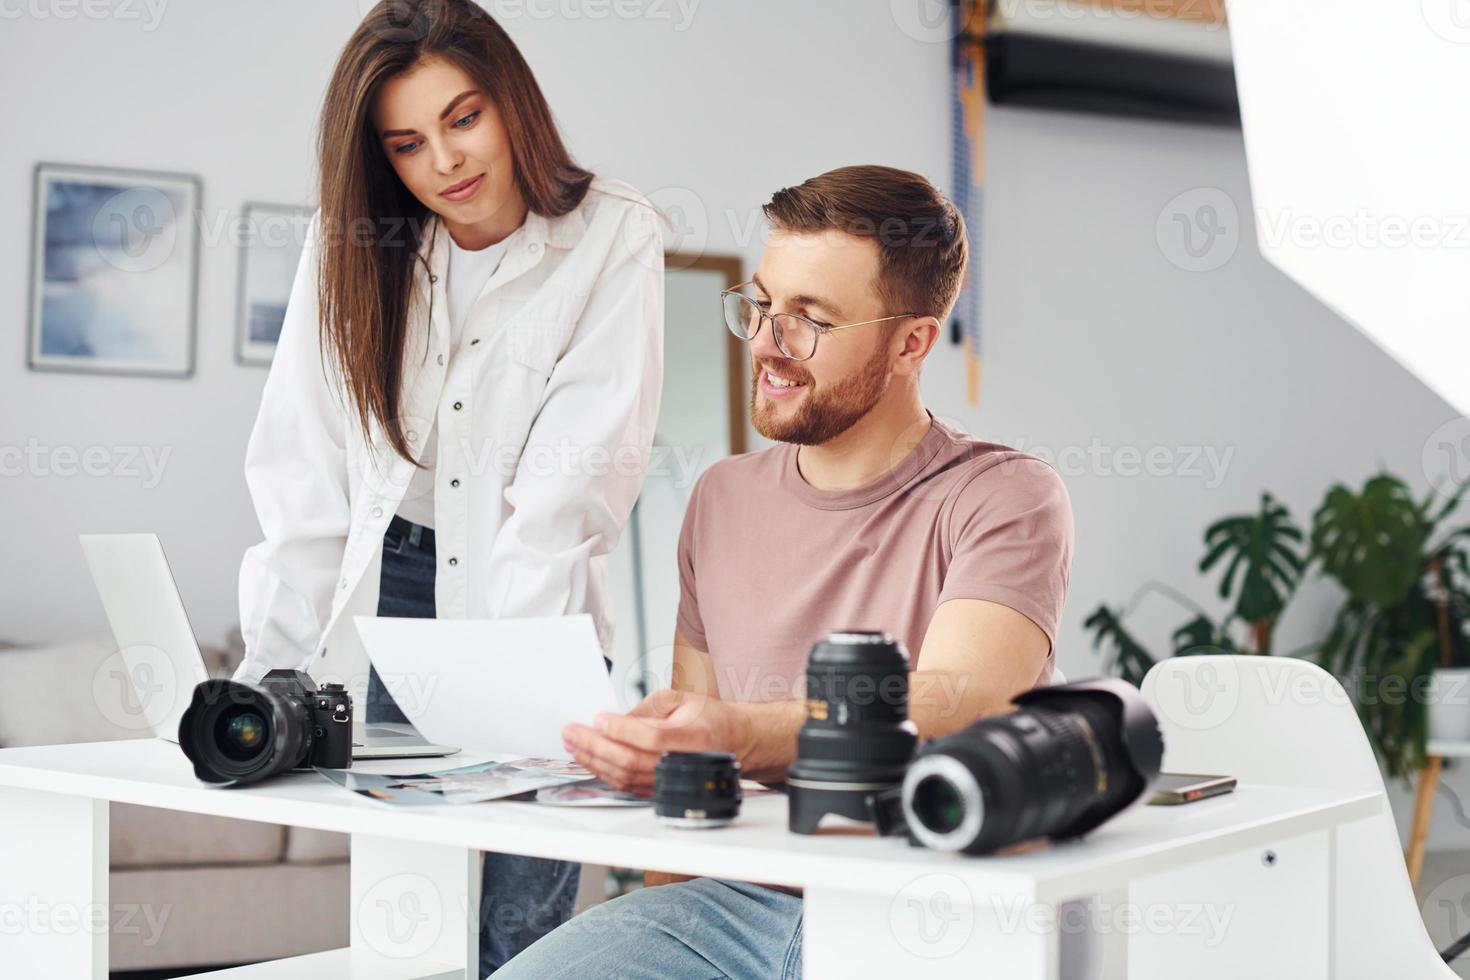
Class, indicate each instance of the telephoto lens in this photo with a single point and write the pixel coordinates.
(696, 789)
(857, 739)
(1071, 757)
(236, 733)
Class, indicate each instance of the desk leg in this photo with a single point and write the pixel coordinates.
(414, 900)
(1113, 942)
(932, 928)
(53, 885)
(1423, 807)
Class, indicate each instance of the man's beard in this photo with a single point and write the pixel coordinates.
(823, 415)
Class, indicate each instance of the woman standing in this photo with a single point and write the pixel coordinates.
(467, 379)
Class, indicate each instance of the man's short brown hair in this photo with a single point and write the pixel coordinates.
(923, 248)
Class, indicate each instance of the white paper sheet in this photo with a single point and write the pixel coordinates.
(493, 685)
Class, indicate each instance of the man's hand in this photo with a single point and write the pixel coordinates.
(976, 656)
(623, 749)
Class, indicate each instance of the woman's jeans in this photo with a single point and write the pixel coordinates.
(522, 898)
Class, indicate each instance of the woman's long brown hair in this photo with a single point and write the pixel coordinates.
(371, 224)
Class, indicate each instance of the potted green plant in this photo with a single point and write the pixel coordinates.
(1263, 564)
(1406, 608)
(1402, 624)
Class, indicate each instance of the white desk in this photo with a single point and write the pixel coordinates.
(871, 904)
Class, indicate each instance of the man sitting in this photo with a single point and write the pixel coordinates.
(870, 514)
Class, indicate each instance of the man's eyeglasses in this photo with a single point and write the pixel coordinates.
(795, 334)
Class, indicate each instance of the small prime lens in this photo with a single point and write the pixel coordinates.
(696, 789)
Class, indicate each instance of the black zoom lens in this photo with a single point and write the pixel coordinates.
(696, 789)
(1071, 757)
(857, 739)
(240, 733)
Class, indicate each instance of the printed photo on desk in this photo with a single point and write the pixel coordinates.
(465, 784)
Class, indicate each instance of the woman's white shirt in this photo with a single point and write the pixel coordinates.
(545, 421)
(469, 271)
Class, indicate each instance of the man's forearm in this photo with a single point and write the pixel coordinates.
(767, 737)
(940, 702)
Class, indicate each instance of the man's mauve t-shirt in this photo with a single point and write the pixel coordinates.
(768, 564)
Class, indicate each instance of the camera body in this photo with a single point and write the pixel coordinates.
(329, 709)
(236, 733)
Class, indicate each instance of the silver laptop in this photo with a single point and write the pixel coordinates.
(161, 655)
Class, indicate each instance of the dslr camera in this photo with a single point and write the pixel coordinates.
(238, 733)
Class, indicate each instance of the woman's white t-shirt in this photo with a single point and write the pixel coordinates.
(465, 280)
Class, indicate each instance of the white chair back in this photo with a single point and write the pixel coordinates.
(1287, 721)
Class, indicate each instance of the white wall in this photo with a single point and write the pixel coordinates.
(1092, 332)
(708, 116)
(1094, 336)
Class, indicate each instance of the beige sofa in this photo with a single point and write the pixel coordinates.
(213, 891)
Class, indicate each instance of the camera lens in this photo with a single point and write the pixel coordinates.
(696, 789)
(238, 733)
(939, 804)
(1068, 759)
(857, 739)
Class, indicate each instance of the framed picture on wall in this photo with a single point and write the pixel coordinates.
(272, 237)
(114, 271)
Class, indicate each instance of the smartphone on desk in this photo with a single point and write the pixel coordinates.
(1174, 788)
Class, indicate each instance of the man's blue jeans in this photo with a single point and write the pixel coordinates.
(522, 898)
(691, 930)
